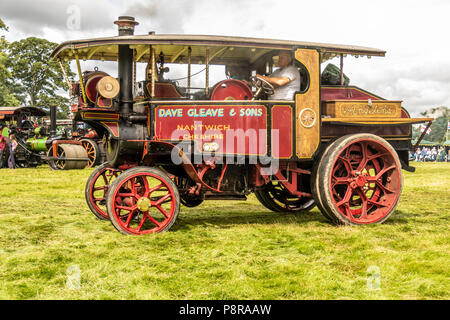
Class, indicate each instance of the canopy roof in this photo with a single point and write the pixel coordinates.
(11, 111)
(222, 49)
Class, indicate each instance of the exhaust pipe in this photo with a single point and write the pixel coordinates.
(52, 121)
(126, 27)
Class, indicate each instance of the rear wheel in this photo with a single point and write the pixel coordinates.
(143, 200)
(360, 180)
(315, 181)
(92, 150)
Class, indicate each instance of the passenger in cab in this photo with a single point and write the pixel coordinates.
(286, 80)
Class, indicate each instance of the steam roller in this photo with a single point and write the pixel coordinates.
(67, 156)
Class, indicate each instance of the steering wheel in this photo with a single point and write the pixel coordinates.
(262, 86)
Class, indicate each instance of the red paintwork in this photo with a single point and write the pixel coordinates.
(138, 186)
(238, 129)
(103, 102)
(282, 121)
(56, 144)
(346, 93)
(348, 179)
(91, 87)
(106, 177)
(232, 89)
(112, 126)
(92, 134)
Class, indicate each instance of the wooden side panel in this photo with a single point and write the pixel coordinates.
(361, 109)
(307, 106)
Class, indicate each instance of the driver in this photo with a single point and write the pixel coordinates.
(286, 80)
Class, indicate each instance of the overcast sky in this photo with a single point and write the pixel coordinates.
(414, 33)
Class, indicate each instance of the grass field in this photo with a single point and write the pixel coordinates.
(221, 250)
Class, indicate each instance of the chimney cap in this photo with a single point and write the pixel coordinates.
(126, 21)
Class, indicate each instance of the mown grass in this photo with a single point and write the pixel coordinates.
(220, 250)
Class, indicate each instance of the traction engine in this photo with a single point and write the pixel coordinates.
(327, 147)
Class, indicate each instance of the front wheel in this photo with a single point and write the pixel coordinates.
(143, 200)
(97, 187)
(360, 180)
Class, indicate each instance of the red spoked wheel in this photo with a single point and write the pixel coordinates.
(143, 200)
(315, 182)
(97, 187)
(360, 180)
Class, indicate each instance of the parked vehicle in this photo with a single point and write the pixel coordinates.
(40, 141)
(337, 147)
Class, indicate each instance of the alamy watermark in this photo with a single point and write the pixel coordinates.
(373, 278)
(73, 281)
(73, 21)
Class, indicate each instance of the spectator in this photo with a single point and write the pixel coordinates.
(2, 146)
(423, 154)
(428, 155)
(433, 154)
(417, 155)
(12, 152)
(441, 155)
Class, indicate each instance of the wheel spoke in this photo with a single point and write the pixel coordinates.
(126, 194)
(141, 224)
(126, 208)
(385, 189)
(347, 197)
(376, 203)
(163, 199)
(150, 191)
(348, 212)
(339, 181)
(364, 154)
(133, 186)
(130, 216)
(347, 164)
(105, 179)
(377, 155)
(363, 197)
(382, 172)
(162, 211)
(149, 217)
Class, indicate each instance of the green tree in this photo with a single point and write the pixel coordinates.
(438, 127)
(3, 25)
(38, 80)
(6, 97)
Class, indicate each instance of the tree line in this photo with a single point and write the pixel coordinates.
(28, 76)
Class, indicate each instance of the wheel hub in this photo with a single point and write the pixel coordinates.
(361, 181)
(144, 204)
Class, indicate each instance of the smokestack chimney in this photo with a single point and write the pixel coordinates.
(52, 121)
(126, 25)
(126, 28)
